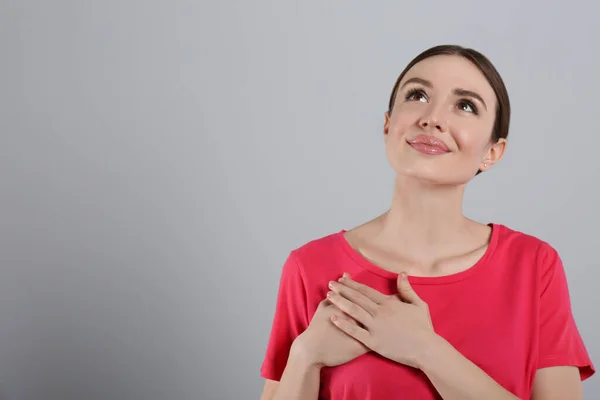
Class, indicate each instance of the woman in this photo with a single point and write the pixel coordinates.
(422, 302)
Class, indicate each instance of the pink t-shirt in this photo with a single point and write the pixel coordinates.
(510, 314)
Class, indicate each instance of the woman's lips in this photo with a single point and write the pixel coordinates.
(428, 144)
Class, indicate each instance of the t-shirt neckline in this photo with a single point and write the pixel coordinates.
(425, 280)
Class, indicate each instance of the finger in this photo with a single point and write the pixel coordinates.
(367, 291)
(323, 303)
(354, 296)
(339, 313)
(406, 291)
(350, 308)
(353, 330)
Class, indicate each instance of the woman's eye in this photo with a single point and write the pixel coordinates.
(416, 95)
(467, 106)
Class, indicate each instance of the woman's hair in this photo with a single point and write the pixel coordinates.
(501, 123)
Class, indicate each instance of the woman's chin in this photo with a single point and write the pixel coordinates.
(430, 176)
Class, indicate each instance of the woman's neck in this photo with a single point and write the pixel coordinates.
(426, 219)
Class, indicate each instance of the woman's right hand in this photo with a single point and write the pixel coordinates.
(322, 344)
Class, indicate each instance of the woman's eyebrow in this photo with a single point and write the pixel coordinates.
(422, 81)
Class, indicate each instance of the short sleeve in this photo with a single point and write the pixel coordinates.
(289, 321)
(560, 341)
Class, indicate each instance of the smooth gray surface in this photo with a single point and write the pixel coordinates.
(160, 159)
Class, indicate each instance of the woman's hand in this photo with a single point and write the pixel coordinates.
(398, 326)
(322, 344)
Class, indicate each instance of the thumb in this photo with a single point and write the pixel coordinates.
(406, 291)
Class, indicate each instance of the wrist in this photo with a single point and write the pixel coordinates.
(302, 357)
(433, 345)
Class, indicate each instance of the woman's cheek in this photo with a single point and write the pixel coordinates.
(468, 142)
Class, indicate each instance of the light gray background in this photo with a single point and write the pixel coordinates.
(160, 159)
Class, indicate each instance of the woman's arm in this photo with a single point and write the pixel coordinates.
(557, 383)
(457, 378)
(300, 380)
(269, 390)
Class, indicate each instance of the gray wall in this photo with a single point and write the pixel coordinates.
(158, 160)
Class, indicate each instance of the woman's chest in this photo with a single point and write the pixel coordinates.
(492, 332)
(374, 377)
(494, 329)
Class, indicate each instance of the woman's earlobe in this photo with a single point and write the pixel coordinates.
(486, 163)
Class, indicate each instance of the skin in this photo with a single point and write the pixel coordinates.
(424, 233)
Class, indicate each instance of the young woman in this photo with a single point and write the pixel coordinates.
(422, 302)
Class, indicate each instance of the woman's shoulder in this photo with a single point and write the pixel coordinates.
(321, 256)
(319, 246)
(515, 243)
(514, 239)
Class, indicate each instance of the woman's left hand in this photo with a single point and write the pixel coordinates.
(396, 326)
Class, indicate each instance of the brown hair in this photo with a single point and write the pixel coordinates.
(501, 123)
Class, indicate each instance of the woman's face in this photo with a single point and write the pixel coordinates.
(441, 123)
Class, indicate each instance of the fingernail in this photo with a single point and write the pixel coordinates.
(329, 294)
(346, 275)
(331, 285)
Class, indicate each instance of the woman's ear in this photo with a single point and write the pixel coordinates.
(386, 125)
(494, 154)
